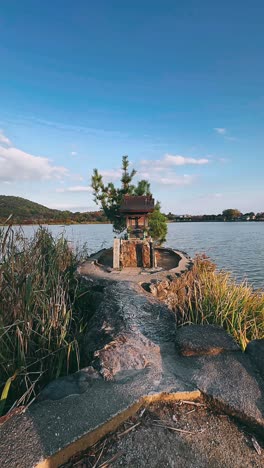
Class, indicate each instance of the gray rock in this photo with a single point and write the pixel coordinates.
(127, 330)
(255, 351)
(73, 384)
(199, 340)
(230, 381)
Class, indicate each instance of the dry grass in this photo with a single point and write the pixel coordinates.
(41, 322)
(205, 296)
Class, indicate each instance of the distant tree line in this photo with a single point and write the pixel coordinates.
(23, 211)
(231, 214)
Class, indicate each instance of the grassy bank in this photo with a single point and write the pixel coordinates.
(42, 313)
(205, 296)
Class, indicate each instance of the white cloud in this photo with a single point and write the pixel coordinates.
(177, 180)
(18, 165)
(74, 153)
(225, 134)
(220, 130)
(76, 188)
(178, 160)
(3, 139)
(231, 138)
(170, 160)
(112, 174)
(167, 177)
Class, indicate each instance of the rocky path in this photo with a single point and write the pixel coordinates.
(137, 358)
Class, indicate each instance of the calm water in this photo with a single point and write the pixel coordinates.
(237, 247)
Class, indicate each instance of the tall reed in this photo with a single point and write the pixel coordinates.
(41, 321)
(207, 296)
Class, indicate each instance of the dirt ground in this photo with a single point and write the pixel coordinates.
(180, 434)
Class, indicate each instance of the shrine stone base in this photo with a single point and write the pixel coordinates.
(133, 253)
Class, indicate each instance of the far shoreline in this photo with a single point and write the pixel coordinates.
(2, 224)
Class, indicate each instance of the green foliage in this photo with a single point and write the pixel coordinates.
(41, 316)
(231, 214)
(158, 225)
(110, 197)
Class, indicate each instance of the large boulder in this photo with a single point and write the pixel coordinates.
(199, 340)
(255, 351)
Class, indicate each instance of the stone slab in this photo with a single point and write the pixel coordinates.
(198, 340)
(231, 383)
(72, 423)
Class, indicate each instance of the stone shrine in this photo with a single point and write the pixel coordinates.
(137, 249)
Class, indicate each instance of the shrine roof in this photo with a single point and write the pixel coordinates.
(137, 204)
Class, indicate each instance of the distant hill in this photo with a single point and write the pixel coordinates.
(27, 212)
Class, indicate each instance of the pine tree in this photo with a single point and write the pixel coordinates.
(110, 199)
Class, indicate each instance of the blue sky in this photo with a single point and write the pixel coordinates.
(178, 86)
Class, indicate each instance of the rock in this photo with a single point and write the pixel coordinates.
(128, 254)
(153, 290)
(229, 380)
(135, 253)
(124, 353)
(198, 340)
(127, 329)
(255, 351)
(73, 384)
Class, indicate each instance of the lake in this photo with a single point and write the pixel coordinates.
(236, 247)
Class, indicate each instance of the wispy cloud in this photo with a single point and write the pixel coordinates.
(220, 130)
(100, 132)
(74, 153)
(231, 138)
(3, 139)
(177, 180)
(111, 174)
(223, 160)
(161, 171)
(224, 132)
(178, 160)
(76, 188)
(167, 177)
(170, 160)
